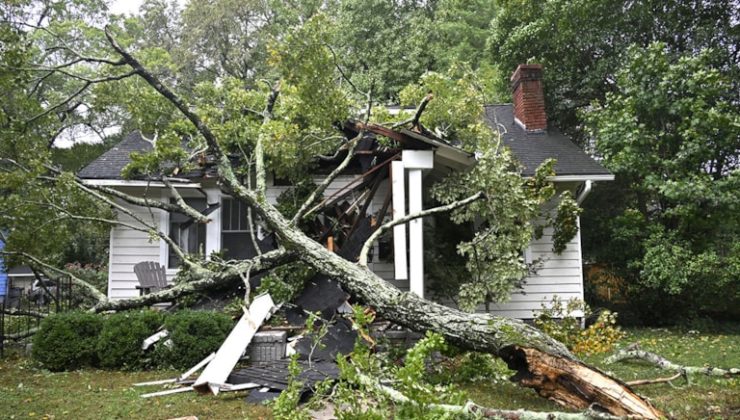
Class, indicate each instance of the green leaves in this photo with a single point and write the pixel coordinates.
(503, 221)
(671, 131)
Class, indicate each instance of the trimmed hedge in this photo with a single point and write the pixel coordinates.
(67, 341)
(193, 336)
(119, 344)
(74, 340)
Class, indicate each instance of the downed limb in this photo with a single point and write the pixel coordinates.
(655, 381)
(634, 352)
(479, 411)
(19, 312)
(385, 227)
(209, 279)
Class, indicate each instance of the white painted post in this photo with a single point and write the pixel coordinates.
(213, 228)
(416, 235)
(416, 161)
(398, 188)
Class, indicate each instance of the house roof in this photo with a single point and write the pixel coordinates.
(110, 163)
(532, 148)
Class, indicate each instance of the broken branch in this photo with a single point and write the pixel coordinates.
(385, 227)
(634, 352)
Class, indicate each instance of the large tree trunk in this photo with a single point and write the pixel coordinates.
(542, 363)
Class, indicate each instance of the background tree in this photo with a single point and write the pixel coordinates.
(582, 44)
(671, 134)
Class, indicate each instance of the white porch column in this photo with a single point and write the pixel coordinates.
(398, 188)
(213, 228)
(416, 235)
(415, 161)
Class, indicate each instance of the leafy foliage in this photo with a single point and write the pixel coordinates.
(561, 321)
(67, 341)
(193, 335)
(671, 134)
(494, 254)
(119, 343)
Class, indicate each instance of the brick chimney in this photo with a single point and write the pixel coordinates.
(529, 101)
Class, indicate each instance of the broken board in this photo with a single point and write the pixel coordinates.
(215, 374)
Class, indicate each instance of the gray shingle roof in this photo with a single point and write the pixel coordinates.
(110, 163)
(533, 148)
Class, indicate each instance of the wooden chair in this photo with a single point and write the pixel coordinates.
(152, 277)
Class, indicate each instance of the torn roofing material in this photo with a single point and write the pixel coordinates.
(532, 148)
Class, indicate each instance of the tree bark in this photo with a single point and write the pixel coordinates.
(542, 363)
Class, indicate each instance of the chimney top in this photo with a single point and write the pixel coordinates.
(528, 98)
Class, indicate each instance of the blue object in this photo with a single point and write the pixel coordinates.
(3, 275)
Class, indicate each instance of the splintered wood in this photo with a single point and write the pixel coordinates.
(556, 378)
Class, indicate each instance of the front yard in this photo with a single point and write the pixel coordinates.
(29, 392)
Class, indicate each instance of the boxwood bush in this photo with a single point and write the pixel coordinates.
(67, 341)
(74, 340)
(193, 336)
(119, 343)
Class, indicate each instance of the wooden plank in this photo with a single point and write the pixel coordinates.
(160, 382)
(149, 341)
(197, 367)
(215, 374)
(168, 392)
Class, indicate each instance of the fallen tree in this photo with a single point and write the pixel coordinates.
(542, 363)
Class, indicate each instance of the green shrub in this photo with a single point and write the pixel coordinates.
(119, 343)
(192, 336)
(67, 341)
(557, 321)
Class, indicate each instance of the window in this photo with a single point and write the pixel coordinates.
(190, 236)
(236, 242)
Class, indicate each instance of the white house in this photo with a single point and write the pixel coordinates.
(396, 182)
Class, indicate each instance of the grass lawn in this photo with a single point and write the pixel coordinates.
(29, 392)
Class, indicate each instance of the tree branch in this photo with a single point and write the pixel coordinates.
(382, 229)
(208, 279)
(259, 148)
(477, 411)
(414, 121)
(634, 352)
(163, 90)
(100, 297)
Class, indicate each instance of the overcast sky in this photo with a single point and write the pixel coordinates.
(125, 6)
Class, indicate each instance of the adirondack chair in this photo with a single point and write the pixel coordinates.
(152, 277)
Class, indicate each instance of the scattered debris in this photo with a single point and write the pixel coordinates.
(275, 375)
(216, 372)
(267, 346)
(154, 338)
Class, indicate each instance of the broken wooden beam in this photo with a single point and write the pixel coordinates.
(215, 374)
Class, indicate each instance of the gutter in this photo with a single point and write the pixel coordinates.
(586, 190)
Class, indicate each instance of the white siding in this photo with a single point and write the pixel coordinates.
(128, 247)
(559, 275)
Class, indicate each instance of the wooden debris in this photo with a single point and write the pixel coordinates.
(149, 341)
(197, 367)
(168, 392)
(555, 378)
(215, 374)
